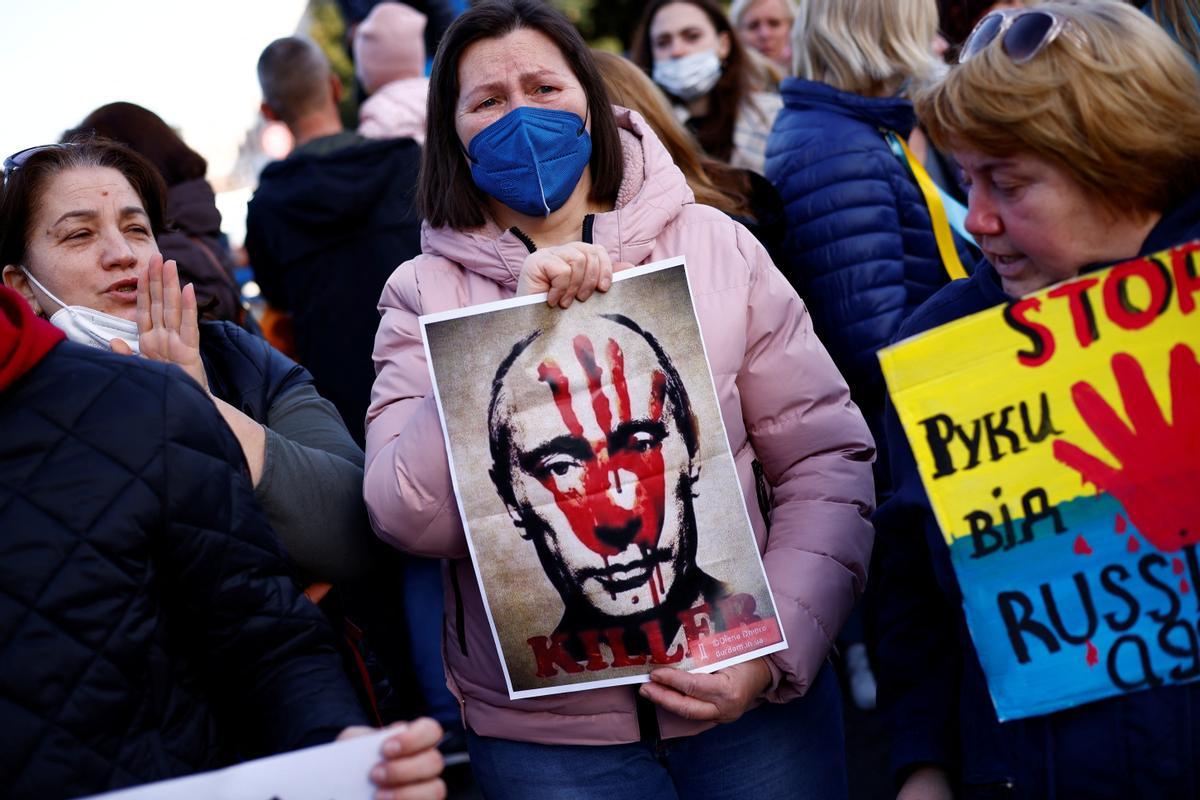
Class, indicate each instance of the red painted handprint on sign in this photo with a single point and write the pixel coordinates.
(1158, 480)
(613, 494)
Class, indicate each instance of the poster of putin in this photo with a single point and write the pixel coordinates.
(605, 520)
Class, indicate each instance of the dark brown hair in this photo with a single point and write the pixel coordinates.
(738, 76)
(714, 183)
(144, 132)
(26, 184)
(446, 194)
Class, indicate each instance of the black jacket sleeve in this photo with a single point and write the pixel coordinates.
(916, 648)
(265, 651)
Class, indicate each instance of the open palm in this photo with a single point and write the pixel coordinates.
(167, 320)
(1159, 461)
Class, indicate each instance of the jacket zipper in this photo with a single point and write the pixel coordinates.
(763, 490)
(588, 221)
(525, 240)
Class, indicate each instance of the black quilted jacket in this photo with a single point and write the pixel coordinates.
(148, 624)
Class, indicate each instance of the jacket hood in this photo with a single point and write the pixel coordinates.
(309, 200)
(326, 188)
(653, 192)
(24, 339)
(192, 208)
(891, 113)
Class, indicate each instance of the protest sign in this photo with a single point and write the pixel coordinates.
(604, 516)
(335, 771)
(1058, 438)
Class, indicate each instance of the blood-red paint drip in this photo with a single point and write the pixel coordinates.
(587, 360)
(1082, 548)
(1132, 545)
(616, 362)
(1119, 527)
(1177, 566)
(1184, 587)
(658, 394)
(550, 374)
(1093, 655)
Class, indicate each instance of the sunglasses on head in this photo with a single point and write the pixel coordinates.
(1023, 33)
(18, 159)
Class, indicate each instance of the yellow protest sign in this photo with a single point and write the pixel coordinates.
(1058, 439)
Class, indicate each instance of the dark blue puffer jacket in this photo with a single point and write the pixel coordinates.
(149, 626)
(860, 247)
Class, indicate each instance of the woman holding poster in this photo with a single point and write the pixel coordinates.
(533, 183)
(1077, 126)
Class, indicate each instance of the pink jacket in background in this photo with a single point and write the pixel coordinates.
(782, 400)
(396, 110)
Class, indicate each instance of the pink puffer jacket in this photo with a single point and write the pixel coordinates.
(396, 110)
(782, 400)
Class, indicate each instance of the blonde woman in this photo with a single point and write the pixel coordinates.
(859, 242)
(766, 25)
(1077, 126)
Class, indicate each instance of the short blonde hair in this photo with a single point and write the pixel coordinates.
(740, 7)
(868, 47)
(1112, 101)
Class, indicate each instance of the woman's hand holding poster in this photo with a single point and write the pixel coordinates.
(1058, 438)
(603, 511)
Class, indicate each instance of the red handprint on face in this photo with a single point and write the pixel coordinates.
(1158, 481)
(612, 490)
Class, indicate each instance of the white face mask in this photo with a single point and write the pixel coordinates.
(688, 77)
(88, 326)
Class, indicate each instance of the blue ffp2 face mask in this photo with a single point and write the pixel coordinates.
(531, 158)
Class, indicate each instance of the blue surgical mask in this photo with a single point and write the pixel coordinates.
(531, 158)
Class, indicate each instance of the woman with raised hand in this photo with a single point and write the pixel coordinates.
(150, 612)
(1077, 125)
(613, 199)
(79, 243)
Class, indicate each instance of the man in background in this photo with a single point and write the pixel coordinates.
(329, 224)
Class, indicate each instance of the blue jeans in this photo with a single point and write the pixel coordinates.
(423, 606)
(794, 751)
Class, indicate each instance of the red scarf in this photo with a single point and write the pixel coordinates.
(24, 338)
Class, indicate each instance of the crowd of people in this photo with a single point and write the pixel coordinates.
(223, 537)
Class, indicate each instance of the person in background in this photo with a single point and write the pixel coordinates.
(859, 238)
(328, 224)
(766, 25)
(193, 237)
(149, 617)
(1081, 149)
(439, 13)
(389, 59)
(742, 194)
(693, 53)
(1181, 19)
(768, 727)
(325, 229)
